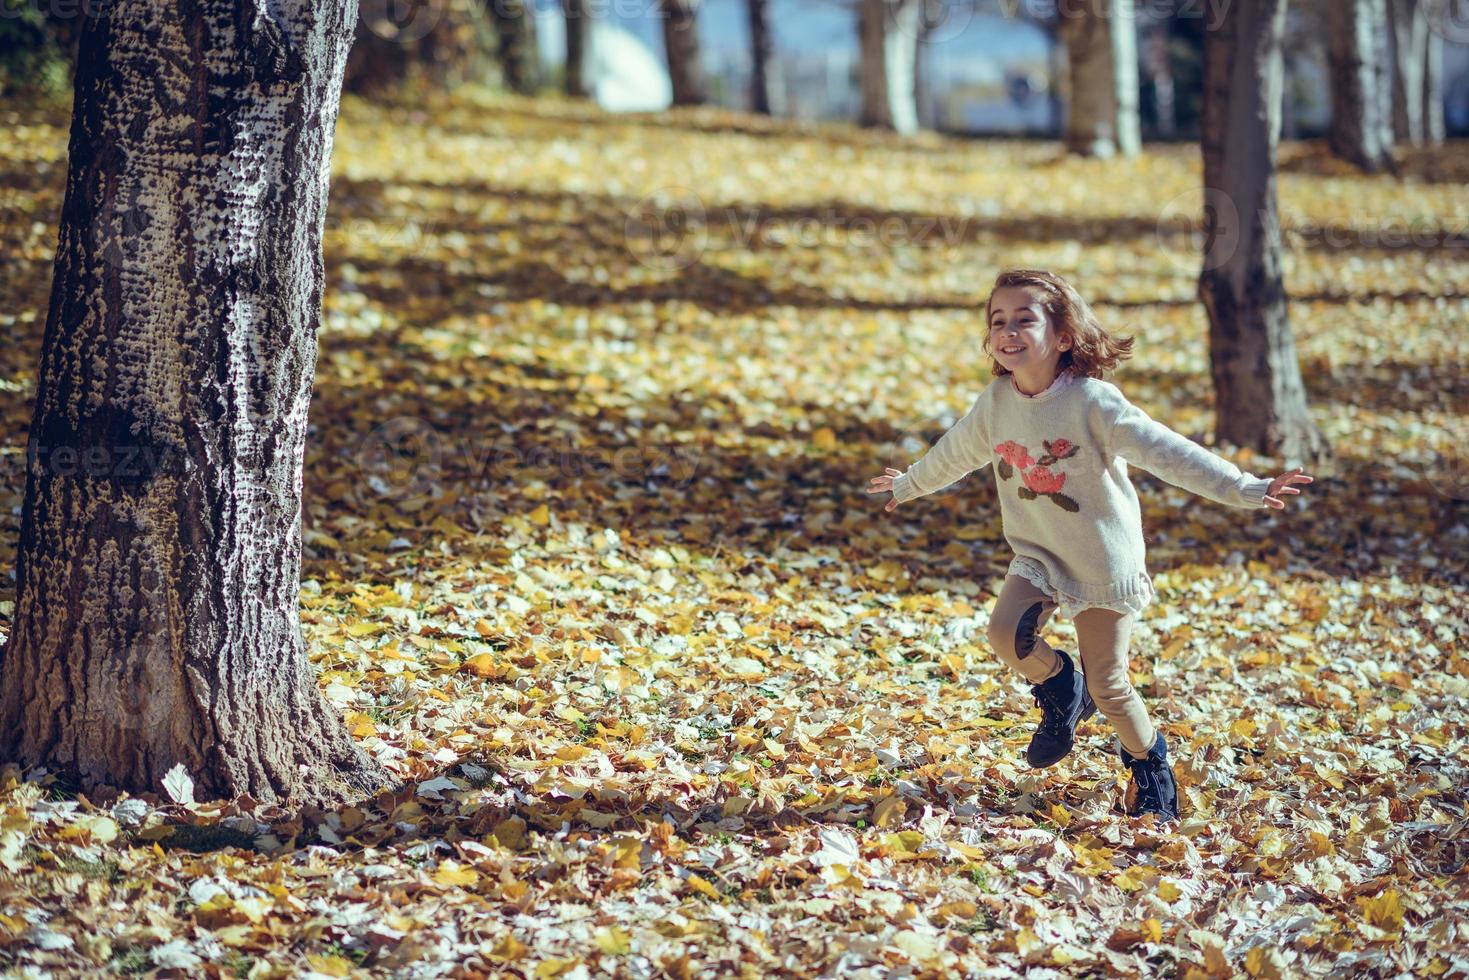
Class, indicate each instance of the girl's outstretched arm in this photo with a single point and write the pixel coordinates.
(1171, 456)
(961, 450)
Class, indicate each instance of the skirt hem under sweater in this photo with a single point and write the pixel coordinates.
(1071, 597)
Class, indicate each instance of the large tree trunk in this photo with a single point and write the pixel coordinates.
(1261, 401)
(1410, 49)
(515, 23)
(681, 41)
(887, 32)
(580, 29)
(1360, 131)
(157, 619)
(760, 50)
(1100, 38)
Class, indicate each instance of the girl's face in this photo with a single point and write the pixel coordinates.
(1022, 337)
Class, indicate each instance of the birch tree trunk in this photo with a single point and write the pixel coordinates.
(579, 54)
(157, 616)
(760, 50)
(519, 61)
(1100, 38)
(887, 32)
(1260, 398)
(1360, 131)
(681, 40)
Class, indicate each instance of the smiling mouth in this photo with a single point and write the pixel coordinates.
(1011, 350)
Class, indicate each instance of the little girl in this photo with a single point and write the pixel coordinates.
(1060, 439)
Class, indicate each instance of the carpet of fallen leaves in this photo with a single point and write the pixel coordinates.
(589, 566)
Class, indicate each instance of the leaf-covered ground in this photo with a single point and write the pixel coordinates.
(590, 567)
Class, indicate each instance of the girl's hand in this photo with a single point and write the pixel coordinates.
(884, 484)
(1282, 485)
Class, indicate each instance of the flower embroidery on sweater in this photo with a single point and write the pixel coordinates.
(1036, 474)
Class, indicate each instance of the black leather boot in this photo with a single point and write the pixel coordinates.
(1064, 704)
(1153, 788)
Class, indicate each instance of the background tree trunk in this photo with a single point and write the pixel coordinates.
(515, 23)
(402, 45)
(931, 15)
(760, 51)
(1410, 49)
(681, 40)
(1160, 73)
(1433, 95)
(887, 32)
(1100, 38)
(157, 616)
(580, 29)
(1359, 131)
(1260, 398)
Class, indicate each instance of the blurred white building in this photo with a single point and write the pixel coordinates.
(628, 75)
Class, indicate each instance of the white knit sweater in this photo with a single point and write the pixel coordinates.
(1069, 509)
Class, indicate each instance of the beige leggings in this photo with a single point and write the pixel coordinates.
(1101, 634)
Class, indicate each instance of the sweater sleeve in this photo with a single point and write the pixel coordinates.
(1171, 456)
(964, 448)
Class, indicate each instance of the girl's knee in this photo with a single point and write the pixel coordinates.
(1000, 635)
(1107, 688)
(1015, 636)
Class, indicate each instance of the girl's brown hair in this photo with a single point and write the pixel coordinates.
(1093, 350)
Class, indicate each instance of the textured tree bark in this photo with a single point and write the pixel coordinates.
(1100, 38)
(1410, 49)
(1360, 131)
(760, 50)
(681, 40)
(157, 615)
(1260, 398)
(579, 54)
(887, 32)
(516, 27)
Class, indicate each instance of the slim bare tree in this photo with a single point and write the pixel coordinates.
(1360, 131)
(515, 22)
(1410, 52)
(681, 41)
(1260, 398)
(157, 613)
(760, 51)
(1433, 91)
(887, 35)
(1100, 39)
(580, 55)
